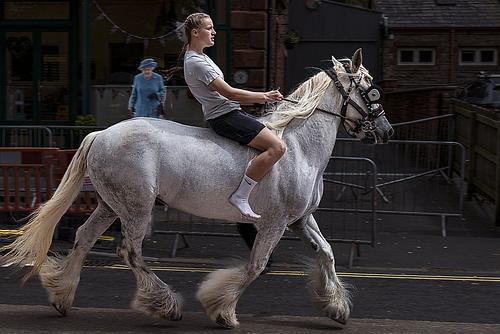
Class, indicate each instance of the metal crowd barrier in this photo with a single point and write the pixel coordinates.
(415, 178)
(25, 136)
(440, 128)
(345, 219)
(30, 175)
(65, 137)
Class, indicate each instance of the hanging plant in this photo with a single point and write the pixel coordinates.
(291, 39)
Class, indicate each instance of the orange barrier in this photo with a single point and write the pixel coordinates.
(29, 176)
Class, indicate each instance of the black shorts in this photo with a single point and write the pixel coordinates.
(237, 126)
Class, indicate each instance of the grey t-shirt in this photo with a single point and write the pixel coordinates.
(199, 72)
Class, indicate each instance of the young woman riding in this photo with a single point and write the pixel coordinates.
(221, 108)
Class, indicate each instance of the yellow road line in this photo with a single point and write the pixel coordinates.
(106, 238)
(10, 232)
(491, 279)
(19, 232)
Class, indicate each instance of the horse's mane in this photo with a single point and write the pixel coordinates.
(308, 96)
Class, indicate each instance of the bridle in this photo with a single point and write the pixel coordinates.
(371, 97)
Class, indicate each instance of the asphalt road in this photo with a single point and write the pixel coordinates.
(383, 303)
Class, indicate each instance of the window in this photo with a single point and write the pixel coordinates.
(472, 56)
(416, 56)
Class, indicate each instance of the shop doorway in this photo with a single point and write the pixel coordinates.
(36, 76)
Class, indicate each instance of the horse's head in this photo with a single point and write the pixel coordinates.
(362, 113)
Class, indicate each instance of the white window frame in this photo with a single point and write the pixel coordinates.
(477, 56)
(416, 52)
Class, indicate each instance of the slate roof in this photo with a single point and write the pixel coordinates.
(428, 14)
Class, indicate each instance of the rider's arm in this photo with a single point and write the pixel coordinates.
(242, 95)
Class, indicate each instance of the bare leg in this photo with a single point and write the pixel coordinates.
(153, 296)
(330, 294)
(60, 276)
(221, 290)
(273, 149)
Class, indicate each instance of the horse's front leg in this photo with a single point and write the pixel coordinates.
(221, 290)
(329, 293)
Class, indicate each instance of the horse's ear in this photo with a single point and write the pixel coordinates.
(335, 61)
(357, 60)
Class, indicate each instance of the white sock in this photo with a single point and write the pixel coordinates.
(240, 197)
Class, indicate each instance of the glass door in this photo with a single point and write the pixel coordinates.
(19, 59)
(53, 82)
(37, 76)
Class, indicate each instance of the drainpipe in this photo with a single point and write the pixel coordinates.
(86, 57)
(270, 41)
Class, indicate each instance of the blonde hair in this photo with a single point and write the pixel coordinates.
(193, 21)
(183, 32)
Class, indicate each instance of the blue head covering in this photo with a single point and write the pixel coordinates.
(148, 62)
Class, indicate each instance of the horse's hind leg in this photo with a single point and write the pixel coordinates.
(221, 290)
(153, 296)
(61, 275)
(329, 293)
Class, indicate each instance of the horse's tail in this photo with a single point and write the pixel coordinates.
(33, 243)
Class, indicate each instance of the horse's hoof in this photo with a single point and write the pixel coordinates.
(339, 318)
(59, 309)
(225, 323)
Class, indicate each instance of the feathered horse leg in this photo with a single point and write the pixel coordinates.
(221, 290)
(329, 292)
(61, 275)
(153, 296)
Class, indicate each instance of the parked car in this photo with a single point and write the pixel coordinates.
(485, 90)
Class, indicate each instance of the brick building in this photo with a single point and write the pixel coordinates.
(433, 47)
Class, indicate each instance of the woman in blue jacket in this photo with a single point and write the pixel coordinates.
(148, 91)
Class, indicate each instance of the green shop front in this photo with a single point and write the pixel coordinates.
(66, 62)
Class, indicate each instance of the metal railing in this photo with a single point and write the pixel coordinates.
(26, 135)
(417, 178)
(65, 137)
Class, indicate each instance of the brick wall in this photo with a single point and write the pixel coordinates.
(249, 21)
(420, 91)
(408, 105)
(446, 43)
(252, 23)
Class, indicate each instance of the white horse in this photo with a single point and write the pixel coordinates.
(195, 170)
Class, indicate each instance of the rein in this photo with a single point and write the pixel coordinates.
(319, 109)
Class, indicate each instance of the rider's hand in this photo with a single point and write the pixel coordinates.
(273, 96)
